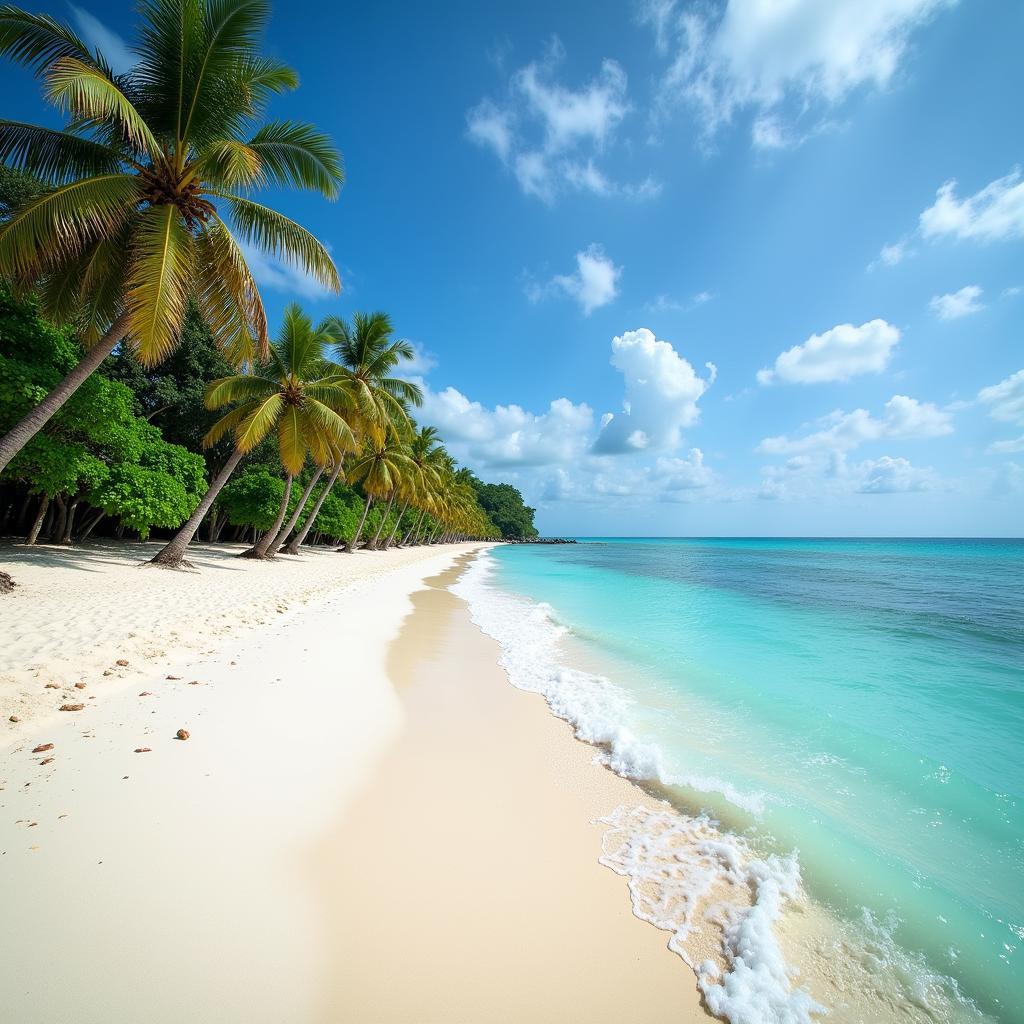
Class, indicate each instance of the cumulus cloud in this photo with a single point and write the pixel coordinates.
(1005, 400)
(594, 283)
(893, 476)
(957, 304)
(687, 474)
(667, 304)
(770, 57)
(662, 391)
(994, 213)
(95, 34)
(508, 435)
(549, 135)
(904, 419)
(839, 354)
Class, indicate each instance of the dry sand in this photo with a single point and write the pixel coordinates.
(344, 837)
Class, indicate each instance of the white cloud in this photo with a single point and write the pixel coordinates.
(95, 34)
(957, 304)
(508, 435)
(995, 212)
(1011, 447)
(892, 255)
(685, 474)
(490, 126)
(904, 419)
(421, 364)
(662, 391)
(761, 56)
(282, 276)
(893, 476)
(837, 355)
(594, 283)
(1006, 399)
(548, 135)
(1012, 292)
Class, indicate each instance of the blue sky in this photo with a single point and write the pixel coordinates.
(681, 268)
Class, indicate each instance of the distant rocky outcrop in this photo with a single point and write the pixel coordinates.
(540, 540)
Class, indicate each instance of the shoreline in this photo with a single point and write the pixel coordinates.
(217, 878)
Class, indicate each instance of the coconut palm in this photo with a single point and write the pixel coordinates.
(379, 469)
(425, 453)
(148, 191)
(367, 352)
(299, 394)
(292, 548)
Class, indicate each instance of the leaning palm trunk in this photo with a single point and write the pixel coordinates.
(414, 529)
(279, 540)
(394, 530)
(350, 546)
(299, 538)
(380, 526)
(22, 432)
(172, 555)
(262, 546)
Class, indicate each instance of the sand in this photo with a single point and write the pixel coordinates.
(347, 834)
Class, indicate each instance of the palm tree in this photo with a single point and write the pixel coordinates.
(144, 205)
(367, 353)
(292, 548)
(425, 453)
(301, 395)
(379, 469)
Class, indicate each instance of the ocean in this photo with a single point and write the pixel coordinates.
(833, 723)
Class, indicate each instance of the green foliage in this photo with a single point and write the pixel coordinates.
(506, 509)
(95, 448)
(16, 189)
(171, 395)
(252, 498)
(339, 514)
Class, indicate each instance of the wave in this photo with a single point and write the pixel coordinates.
(705, 886)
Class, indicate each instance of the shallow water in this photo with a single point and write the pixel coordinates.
(857, 704)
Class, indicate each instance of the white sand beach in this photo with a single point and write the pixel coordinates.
(366, 822)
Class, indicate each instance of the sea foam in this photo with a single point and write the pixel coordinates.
(719, 901)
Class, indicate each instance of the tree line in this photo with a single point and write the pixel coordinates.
(140, 390)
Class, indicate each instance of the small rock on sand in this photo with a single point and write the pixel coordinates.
(71, 707)
(173, 677)
(51, 686)
(42, 747)
(143, 750)
(14, 718)
(79, 686)
(123, 662)
(182, 734)
(145, 693)
(193, 682)
(46, 760)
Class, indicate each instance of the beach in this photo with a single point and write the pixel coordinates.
(365, 821)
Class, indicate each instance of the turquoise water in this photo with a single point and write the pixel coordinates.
(859, 701)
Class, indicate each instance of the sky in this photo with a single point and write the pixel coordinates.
(680, 268)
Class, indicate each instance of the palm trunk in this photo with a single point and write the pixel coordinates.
(413, 529)
(69, 524)
(172, 555)
(398, 522)
(22, 432)
(380, 526)
(297, 541)
(38, 524)
(262, 546)
(351, 545)
(294, 518)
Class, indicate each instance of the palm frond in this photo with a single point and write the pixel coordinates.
(276, 234)
(227, 424)
(91, 96)
(291, 439)
(298, 155)
(59, 224)
(157, 291)
(229, 163)
(53, 156)
(228, 295)
(255, 427)
(37, 40)
(239, 388)
(335, 428)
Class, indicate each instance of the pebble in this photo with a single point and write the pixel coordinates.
(71, 707)
(182, 734)
(42, 747)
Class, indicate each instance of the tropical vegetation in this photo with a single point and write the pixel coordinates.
(140, 391)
